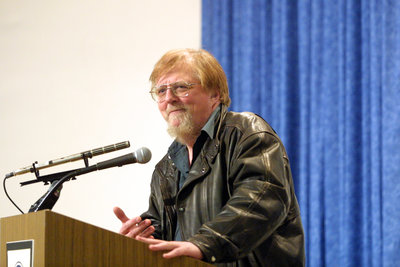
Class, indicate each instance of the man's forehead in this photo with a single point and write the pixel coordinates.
(176, 74)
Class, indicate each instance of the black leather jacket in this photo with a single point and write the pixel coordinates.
(238, 203)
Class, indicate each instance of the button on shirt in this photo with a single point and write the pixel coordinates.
(180, 156)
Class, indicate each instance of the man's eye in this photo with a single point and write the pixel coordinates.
(181, 87)
(161, 91)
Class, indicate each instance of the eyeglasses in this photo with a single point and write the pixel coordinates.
(179, 89)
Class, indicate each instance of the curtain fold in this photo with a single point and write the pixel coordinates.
(326, 76)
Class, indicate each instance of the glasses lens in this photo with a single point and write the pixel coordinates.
(158, 93)
(180, 88)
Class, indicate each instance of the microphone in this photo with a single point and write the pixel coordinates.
(49, 199)
(74, 157)
(142, 155)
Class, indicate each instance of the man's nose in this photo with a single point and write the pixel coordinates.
(170, 96)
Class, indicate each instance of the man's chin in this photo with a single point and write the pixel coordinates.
(180, 131)
(180, 126)
(174, 123)
(175, 120)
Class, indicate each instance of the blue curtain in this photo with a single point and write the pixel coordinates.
(326, 76)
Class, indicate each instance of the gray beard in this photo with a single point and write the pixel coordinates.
(186, 129)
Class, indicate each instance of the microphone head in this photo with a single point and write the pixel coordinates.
(143, 155)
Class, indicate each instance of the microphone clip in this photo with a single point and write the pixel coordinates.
(85, 158)
(35, 170)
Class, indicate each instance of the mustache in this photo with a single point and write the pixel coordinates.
(174, 108)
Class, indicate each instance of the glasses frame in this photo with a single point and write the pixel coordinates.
(168, 86)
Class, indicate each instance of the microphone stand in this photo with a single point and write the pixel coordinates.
(49, 199)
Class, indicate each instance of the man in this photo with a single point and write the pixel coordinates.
(223, 193)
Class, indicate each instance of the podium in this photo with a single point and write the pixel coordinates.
(63, 241)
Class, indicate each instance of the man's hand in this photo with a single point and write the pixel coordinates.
(173, 248)
(134, 227)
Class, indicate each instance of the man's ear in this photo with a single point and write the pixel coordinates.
(215, 94)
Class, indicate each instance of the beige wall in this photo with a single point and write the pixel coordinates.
(73, 77)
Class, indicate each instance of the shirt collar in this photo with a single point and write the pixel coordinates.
(210, 124)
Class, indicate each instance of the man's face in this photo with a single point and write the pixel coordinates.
(186, 115)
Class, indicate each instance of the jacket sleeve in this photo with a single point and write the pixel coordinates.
(259, 181)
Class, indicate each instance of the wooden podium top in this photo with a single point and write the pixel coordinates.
(63, 241)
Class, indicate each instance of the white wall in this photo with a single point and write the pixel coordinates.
(73, 77)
